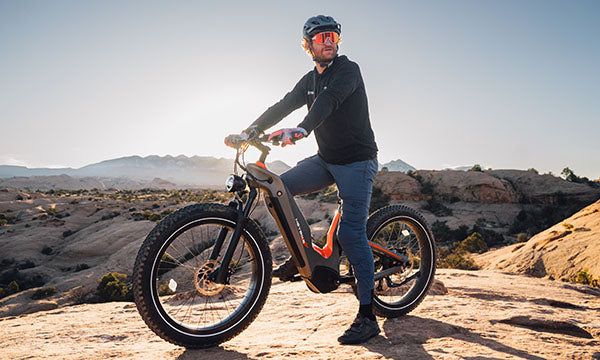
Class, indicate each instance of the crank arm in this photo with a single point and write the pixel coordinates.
(387, 272)
(392, 284)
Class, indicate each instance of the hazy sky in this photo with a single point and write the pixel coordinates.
(505, 84)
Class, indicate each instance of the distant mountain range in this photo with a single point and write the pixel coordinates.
(181, 170)
(195, 171)
(397, 165)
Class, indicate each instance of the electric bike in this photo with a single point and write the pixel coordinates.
(203, 273)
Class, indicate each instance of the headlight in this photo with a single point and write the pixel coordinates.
(235, 183)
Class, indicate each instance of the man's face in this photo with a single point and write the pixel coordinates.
(324, 51)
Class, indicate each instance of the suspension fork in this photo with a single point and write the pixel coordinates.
(220, 274)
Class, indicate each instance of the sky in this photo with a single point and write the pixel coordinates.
(504, 84)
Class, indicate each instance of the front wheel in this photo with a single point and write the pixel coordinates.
(173, 288)
(404, 232)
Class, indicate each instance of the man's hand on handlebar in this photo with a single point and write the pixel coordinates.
(287, 136)
(284, 137)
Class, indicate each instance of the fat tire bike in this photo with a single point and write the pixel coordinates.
(203, 273)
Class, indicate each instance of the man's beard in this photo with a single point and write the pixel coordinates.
(322, 61)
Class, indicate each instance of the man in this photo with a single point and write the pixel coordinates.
(338, 115)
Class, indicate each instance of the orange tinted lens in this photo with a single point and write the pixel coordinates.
(321, 37)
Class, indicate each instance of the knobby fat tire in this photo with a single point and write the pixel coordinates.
(428, 261)
(152, 245)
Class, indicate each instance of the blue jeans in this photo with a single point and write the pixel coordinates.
(354, 182)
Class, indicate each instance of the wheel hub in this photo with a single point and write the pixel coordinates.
(202, 281)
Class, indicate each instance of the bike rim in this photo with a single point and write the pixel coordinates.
(182, 292)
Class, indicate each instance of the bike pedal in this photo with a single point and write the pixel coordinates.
(347, 279)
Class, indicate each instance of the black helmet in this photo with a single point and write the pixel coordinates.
(320, 23)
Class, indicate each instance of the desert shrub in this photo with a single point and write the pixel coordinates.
(454, 260)
(522, 237)
(533, 170)
(166, 213)
(155, 206)
(458, 261)
(6, 219)
(146, 215)
(437, 208)
(114, 286)
(310, 196)
(81, 267)
(19, 197)
(535, 219)
(379, 199)
(52, 211)
(446, 236)
(474, 243)
(584, 277)
(110, 215)
(490, 237)
(330, 195)
(568, 226)
(25, 281)
(74, 202)
(43, 293)
(47, 250)
(164, 290)
(476, 167)
(167, 263)
(427, 188)
(12, 288)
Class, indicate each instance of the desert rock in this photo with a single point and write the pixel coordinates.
(559, 252)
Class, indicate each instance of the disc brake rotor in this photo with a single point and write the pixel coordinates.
(203, 284)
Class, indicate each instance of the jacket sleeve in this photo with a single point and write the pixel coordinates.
(343, 83)
(290, 102)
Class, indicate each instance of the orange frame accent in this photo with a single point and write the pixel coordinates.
(328, 249)
(384, 250)
(260, 164)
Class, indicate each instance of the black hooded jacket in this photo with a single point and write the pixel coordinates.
(338, 112)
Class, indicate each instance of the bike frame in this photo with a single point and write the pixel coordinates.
(318, 266)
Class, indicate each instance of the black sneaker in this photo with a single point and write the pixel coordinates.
(361, 330)
(286, 271)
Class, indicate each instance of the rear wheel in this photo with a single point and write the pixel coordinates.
(404, 232)
(173, 287)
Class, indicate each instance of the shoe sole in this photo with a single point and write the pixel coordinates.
(359, 341)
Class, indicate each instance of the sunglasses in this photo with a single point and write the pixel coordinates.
(320, 38)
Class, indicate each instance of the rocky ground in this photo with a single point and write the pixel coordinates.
(560, 252)
(69, 240)
(483, 315)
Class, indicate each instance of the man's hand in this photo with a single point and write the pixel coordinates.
(288, 136)
(235, 140)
